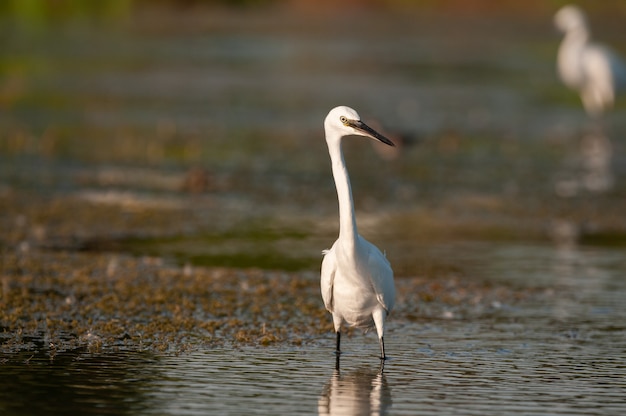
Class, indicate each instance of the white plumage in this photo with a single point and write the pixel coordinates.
(596, 72)
(356, 278)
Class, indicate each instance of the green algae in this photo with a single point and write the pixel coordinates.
(56, 301)
(102, 301)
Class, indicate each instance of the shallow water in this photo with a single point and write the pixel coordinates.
(558, 351)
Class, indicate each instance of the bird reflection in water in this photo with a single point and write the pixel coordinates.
(358, 392)
(593, 172)
(596, 153)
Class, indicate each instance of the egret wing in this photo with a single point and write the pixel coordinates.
(618, 68)
(600, 82)
(327, 280)
(381, 276)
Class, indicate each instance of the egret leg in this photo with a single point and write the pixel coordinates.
(379, 320)
(382, 349)
(338, 342)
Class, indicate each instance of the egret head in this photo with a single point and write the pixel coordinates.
(344, 121)
(570, 18)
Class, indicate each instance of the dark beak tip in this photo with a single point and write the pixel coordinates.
(385, 140)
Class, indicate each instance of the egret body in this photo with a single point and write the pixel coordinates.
(356, 279)
(594, 71)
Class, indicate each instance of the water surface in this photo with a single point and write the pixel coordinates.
(557, 350)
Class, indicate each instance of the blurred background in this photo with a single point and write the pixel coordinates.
(192, 130)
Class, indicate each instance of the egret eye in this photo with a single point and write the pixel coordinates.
(344, 120)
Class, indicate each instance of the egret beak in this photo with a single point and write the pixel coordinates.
(369, 132)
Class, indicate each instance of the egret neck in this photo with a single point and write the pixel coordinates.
(570, 55)
(347, 219)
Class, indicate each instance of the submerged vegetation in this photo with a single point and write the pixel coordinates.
(70, 300)
(55, 302)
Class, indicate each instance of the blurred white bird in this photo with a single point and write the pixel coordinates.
(594, 70)
(356, 279)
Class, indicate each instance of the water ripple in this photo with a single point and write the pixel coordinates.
(560, 351)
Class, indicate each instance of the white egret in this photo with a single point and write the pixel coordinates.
(594, 71)
(356, 279)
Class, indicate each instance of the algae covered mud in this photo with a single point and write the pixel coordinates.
(165, 194)
(132, 336)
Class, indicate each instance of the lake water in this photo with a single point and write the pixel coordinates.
(195, 141)
(559, 351)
